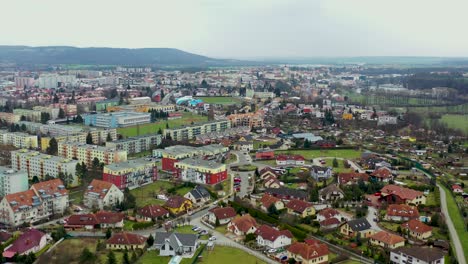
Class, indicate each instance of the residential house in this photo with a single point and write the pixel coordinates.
(31, 241)
(178, 204)
(330, 223)
(243, 225)
(350, 178)
(284, 193)
(301, 208)
(319, 173)
(290, 160)
(359, 226)
(171, 244)
(457, 189)
(126, 241)
(264, 155)
(198, 195)
(110, 219)
(101, 219)
(223, 215)
(310, 252)
(267, 201)
(417, 229)
(420, 255)
(386, 240)
(382, 174)
(243, 145)
(273, 238)
(331, 193)
(267, 172)
(397, 194)
(152, 212)
(329, 213)
(401, 212)
(271, 182)
(101, 194)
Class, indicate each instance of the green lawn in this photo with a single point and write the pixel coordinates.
(151, 257)
(146, 195)
(456, 122)
(76, 197)
(315, 153)
(457, 220)
(228, 255)
(389, 225)
(340, 168)
(224, 100)
(152, 128)
(184, 190)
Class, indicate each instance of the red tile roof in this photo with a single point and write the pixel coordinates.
(383, 173)
(125, 238)
(298, 205)
(82, 220)
(28, 240)
(402, 210)
(457, 187)
(19, 199)
(50, 187)
(309, 251)
(153, 211)
(330, 221)
(289, 157)
(387, 238)
(244, 223)
(267, 200)
(223, 212)
(416, 226)
(345, 177)
(175, 201)
(403, 193)
(271, 234)
(328, 212)
(104, 217)
(99, 187)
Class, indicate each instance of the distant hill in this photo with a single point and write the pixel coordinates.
(108, 56)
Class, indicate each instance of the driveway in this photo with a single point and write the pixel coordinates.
(353, 165)
(372, 213)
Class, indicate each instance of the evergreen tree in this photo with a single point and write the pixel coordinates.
(87, 256)
(53, 147)
(134, 257)
(109, 138)
(79, 119)
(108, 233)
(125, 258)
(61, 113)
(335, 163)
(150, 240)
(111, 258)
(89, 138)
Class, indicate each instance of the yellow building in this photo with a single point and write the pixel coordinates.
(10, 118)
(177, 205)
(32, 115)
(358, 226)
(143, 108)
(386, 240)
(347, 116)
(247, 119)
(81, 138)
(300, 208)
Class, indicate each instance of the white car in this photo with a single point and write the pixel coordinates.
(213, 238)
(272, 250)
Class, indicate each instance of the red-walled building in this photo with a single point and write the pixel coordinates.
(131, 174)
(201, 171)
(265, 155)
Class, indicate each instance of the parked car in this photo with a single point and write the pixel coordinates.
(237, 179)
(197, 229)
(213, 238)
(272, 250)
(204, 232)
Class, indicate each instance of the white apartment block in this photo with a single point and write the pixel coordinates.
(43, 200)
(40, 165)
(18, 139)
(12, 181)
(136, 144)
(86, 153)
(190, 132)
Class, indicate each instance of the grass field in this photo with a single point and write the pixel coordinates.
(456, 122)
(151, 257)
(146, 195)
(340, 168)
(315, 153)
(224, 100)
(152, 128)
(69, 251)
(228, 255)
(457, 221)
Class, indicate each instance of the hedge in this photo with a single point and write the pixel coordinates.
(142, 225)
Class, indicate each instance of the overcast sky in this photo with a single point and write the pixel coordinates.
(244, 28)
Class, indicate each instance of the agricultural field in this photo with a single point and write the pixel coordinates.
(146, 195)
(228, 255)
(223, 100)
(69, 251)
(316, 153)
(456, 122)
(152, 128)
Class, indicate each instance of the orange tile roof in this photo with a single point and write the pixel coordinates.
(125, 238)
(403, 193)
(402, 210)
(387, 238)
(309, 251)
(267, 200)
(244, 223)
(99, 187)
(298, 205)
(416, 226)
(51, 187)
(19, 199)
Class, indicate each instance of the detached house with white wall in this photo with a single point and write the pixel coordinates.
(102, 194)
(273, 238)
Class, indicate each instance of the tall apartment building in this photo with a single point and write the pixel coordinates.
(40, 165)
(131, 174)
(42, 201)
(142, 108)
(86, 153)
(12, 181)
(201, 171)
(118, 119)
(190, 132)
(136, 144)
(69, 109)
(10, 118)
(54, 80)
(34, 116)
(21, 82)
(172, 155)
(18, 139)
(53, 112)
(247, 119)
